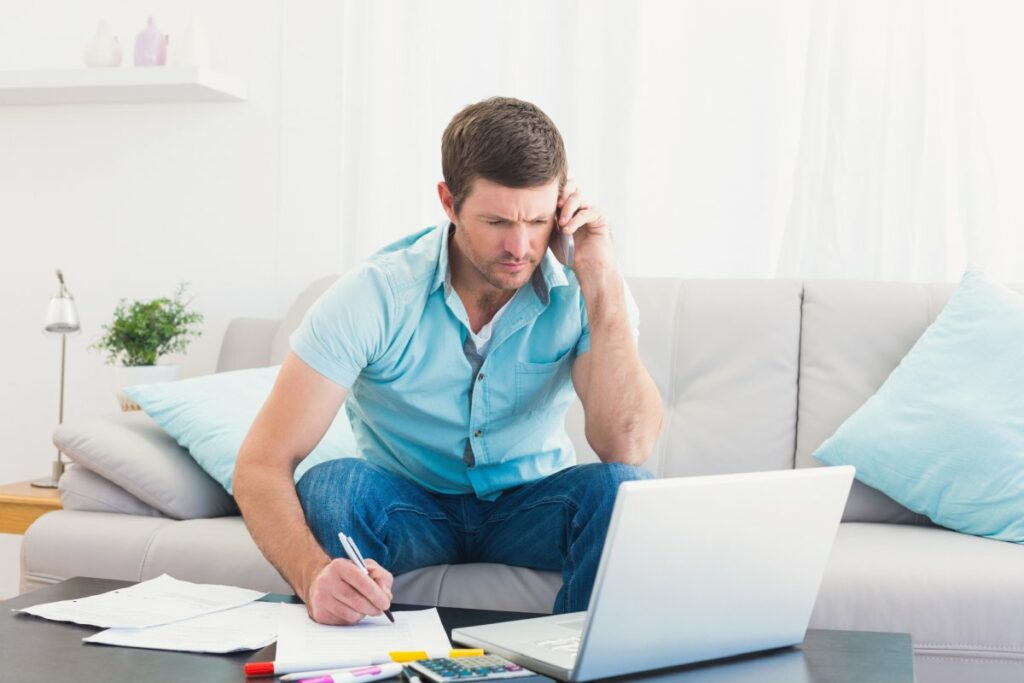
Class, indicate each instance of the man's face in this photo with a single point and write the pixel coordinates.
(502, 231)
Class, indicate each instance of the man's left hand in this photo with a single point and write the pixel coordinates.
(589, 228)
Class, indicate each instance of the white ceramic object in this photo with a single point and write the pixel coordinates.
(193, 49)
(103, 50)
(141, 374)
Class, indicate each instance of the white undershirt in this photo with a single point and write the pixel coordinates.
(482, 339)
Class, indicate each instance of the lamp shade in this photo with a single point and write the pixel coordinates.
(62, 316)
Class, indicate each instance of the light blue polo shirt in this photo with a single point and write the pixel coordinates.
(422, 403)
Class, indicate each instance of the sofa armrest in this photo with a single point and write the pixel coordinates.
(247, 343)
(133, 452)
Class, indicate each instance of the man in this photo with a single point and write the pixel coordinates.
(458, 349)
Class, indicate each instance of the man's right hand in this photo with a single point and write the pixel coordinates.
(341, 594)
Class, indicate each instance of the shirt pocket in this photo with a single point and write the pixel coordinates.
(538, 383)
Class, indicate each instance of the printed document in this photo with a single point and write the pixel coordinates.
(248, 627)
(162, 600)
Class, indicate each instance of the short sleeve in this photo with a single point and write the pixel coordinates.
(632, 312)
(346, 329)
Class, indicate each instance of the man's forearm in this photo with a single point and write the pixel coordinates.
(271, 509)
(622, 406)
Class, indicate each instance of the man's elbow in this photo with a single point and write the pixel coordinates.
(251, 466)
(631, 444)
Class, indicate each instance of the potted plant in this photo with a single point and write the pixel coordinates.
(142, 332)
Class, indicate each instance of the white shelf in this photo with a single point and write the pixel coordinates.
(119, 85)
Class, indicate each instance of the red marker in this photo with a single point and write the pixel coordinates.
(277, 668)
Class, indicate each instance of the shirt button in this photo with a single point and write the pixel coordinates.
(480, 377)
(477, 433)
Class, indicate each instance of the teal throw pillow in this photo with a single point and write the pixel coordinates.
(211, 415)
(944, 435)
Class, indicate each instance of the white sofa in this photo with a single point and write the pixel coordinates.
(754, 376)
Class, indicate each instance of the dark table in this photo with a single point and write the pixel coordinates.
(34, 649)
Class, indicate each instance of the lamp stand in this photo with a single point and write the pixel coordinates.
(58, 466)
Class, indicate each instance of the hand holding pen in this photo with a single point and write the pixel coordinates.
(353, 553)
(341, 592)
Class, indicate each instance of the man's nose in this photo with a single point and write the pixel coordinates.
(517, 242)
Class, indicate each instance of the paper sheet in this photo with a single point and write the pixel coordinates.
(248, 627)
(306, 645)
(162, 600)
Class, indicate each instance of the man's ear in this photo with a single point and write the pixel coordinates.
(447, 200)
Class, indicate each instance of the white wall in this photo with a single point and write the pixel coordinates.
(240, 200)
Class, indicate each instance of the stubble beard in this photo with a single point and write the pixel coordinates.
(492, 275)
(506, 281)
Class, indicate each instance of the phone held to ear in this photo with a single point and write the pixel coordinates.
(568, 246)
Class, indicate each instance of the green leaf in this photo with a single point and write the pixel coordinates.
(143, 331)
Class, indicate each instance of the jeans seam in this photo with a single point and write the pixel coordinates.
(409, 508)
(564, 500)
(378, 530)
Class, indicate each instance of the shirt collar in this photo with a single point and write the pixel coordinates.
(549, 275)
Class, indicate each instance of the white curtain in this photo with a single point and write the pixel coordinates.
(874, 139)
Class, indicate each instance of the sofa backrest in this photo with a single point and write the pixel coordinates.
(754, 374)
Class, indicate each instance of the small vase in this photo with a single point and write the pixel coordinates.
(103, 50)
(151, 46)
(193, 49)
(127, 376)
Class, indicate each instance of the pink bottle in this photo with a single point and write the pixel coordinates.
(151, 46)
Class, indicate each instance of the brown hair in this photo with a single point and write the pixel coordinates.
(507, 141)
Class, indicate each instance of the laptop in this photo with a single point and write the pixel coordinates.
(693, 569)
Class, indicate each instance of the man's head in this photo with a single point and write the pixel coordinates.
(504, 167)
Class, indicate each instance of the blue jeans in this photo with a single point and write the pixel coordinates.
(555, 524)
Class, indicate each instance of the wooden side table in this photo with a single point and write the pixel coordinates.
(21, 504)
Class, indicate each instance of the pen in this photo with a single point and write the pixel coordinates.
(363, 675)
(357, 558)
(396, 656)
(277, 668)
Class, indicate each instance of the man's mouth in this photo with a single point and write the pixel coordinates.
(513, 266)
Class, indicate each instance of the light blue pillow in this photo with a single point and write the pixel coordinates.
(211, 415)
(944, 436)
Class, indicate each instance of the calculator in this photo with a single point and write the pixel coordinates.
(483, 668)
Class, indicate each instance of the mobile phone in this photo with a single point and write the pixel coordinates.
(568, 246)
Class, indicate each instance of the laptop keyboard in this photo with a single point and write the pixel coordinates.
(569, 645)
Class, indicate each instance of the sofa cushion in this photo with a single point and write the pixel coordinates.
(132, 451)
(246, 344)
(83, 489)
(944, 435)
(724, 355)
(211, 415)
(184, 549)
(852, 335)
(499, 587)
(956, 594)
(66, 543)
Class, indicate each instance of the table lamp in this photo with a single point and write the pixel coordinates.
(62, 319)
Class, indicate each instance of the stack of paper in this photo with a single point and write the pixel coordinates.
(303, 644)
(248, 627)
(167, 614)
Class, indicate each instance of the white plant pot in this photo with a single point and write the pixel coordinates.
(141, 374)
